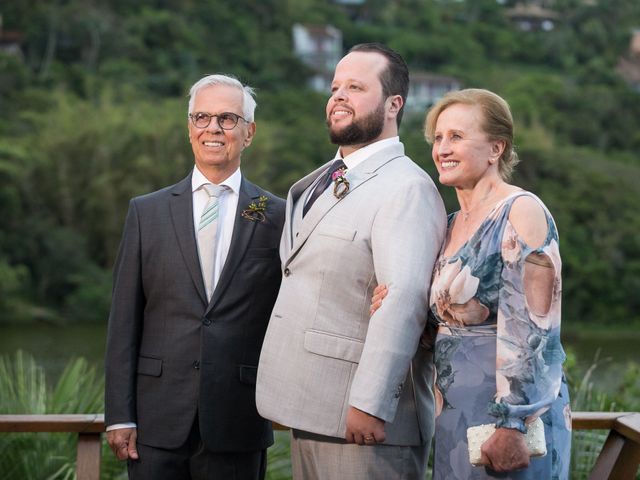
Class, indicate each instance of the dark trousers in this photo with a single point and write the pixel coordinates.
(192, 461)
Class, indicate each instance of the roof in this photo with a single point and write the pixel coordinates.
(531, 11)
(629, 70)
(319, 30)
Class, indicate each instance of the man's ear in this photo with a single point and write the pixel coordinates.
(395, 104)
(251, 132)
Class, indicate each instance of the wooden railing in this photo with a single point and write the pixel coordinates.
(620, 454)
(618, 460)
(89, 428)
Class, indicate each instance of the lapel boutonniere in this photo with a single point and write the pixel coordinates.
(340, 183)
(255, 211)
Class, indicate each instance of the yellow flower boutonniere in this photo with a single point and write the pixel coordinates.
(255, 211)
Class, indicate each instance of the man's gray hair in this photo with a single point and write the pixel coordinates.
(248, 102)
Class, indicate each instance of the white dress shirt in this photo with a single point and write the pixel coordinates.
(228, 205)
(356, 158)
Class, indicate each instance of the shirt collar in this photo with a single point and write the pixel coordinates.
(354, 159)
(233, 181)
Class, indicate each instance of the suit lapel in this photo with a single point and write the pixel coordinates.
(181, 206)
(364, 172)
(242, 232)
(295, 193)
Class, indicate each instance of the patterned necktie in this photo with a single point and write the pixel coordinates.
(207, 229)
(322, 185)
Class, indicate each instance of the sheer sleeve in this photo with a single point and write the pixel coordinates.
(529, 355)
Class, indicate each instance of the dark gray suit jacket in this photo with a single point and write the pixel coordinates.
(170, 353)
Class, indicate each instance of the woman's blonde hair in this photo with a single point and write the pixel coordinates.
(497, 122)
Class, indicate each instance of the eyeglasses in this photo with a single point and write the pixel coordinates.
(226, 120)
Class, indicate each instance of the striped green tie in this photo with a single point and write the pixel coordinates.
(207, 229)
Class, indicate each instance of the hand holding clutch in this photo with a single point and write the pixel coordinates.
(534, 439)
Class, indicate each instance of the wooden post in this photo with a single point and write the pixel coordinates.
(88, 426)
(88, 459)
(608, 458)
(620, 454)
(627, 464)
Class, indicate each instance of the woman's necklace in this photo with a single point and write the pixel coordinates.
(465, 215)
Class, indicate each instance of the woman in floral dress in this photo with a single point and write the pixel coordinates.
(495, 298)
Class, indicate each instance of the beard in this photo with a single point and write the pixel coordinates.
(361, 131)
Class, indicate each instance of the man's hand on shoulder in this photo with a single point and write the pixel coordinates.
(364, 429)
(123, 443)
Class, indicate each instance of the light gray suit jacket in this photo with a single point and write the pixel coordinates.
(322, 351)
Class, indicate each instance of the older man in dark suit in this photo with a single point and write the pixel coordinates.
(195, 280)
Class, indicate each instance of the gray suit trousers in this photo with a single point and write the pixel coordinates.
(317, 457)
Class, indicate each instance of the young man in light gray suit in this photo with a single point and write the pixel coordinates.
(355, 389)
(195, 280)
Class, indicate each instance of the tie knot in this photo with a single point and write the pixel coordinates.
(214, 190)
(323, 182)
(336, 165)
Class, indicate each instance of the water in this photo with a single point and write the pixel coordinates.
(609, 351)
(53, 346)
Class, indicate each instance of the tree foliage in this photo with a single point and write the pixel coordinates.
(95, 113)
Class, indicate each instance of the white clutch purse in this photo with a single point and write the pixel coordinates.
(534, 437)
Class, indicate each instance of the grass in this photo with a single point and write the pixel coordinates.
(586, 444)
(279, 461)
(24, 390)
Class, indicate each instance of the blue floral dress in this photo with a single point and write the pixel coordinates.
(496, 360)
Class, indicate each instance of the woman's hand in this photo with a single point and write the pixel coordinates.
(378, 294)
(505, 450)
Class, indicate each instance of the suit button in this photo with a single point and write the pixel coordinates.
(206, 321)
(287, 272)
(398, 391)
(196, 365)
